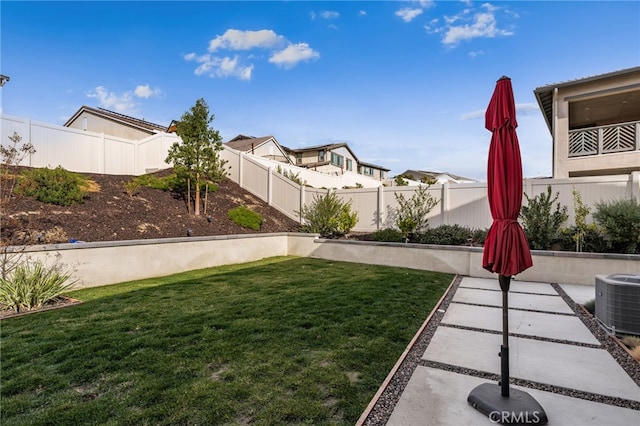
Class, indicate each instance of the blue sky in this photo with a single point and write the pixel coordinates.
(404, 83)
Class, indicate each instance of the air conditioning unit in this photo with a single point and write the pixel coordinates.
(618, 303)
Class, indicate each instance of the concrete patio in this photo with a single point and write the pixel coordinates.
(554, 357)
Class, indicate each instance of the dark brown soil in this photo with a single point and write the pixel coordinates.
(108, 213)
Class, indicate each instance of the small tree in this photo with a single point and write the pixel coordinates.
(328, 216)
(12, 156)
(197, 156)
(400, 181)
(540, 223)
(581, 212)
(411, 214)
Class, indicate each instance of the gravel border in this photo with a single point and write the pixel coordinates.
(381, 410)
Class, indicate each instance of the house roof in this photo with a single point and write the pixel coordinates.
(137, 123)
(375, 166)
(245, 143)
(433, 175)
(544, 94)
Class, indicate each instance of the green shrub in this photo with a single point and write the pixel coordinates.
(165, 183)
(389, 235)
(454, 235)
(540, 223)
(621, 223)
(478, 236)
(245, 217)
(411, 214)
(30, 286)
(590, 306)
(53, 186)
(591, 239)
(328, 216)
(131, 187)
(401, 181)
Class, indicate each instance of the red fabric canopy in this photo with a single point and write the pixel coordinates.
(506, 250)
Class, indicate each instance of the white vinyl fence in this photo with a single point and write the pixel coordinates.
(464, 204)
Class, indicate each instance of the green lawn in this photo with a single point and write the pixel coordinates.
(281, 341)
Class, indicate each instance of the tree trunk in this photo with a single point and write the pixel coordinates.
(189, 195)
(197, 210)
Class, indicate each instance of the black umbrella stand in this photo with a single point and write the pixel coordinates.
(499, 403)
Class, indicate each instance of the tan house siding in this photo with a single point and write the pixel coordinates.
(112, 123)
(594, 123)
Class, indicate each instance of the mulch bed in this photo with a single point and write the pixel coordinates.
(108, 213)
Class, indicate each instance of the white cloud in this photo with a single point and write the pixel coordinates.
(292, 54)
(362, 13)
(481, 24)
(221, 67)
(476, 53)
(240, 65)
(329, 14)
(122, 103)
(246, 40)
(416, 9)
(408, 14)
(147, 92)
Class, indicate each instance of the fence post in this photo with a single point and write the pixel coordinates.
(634, 185)
(104, 153)
(269, 185)
(380, 207)
(240, 162)
(444, 203)
(302, 194)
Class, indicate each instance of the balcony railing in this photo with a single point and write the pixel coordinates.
(604, 139)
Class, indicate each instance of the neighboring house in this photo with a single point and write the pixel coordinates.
(334, 159)
(594, 123)
(111, 123)
(267, 147)
(437, 177)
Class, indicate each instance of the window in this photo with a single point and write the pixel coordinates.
(299, 158)
(320, 156)
(337, 160)
(368, 171)
(349, 164)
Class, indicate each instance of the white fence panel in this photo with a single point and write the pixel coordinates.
(467, 204)
(285, 195)
(255, 178)
(234, 165)
(364, 201)
(151, 153)
(11, 124)
(119, 156)
(74, 150)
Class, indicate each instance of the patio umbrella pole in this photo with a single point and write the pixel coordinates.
(505, 281)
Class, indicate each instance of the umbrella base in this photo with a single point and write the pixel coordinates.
(518, 408)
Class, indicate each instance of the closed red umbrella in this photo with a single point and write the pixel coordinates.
(506, 252)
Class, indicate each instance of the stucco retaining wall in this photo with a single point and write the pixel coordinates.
(103, 263)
